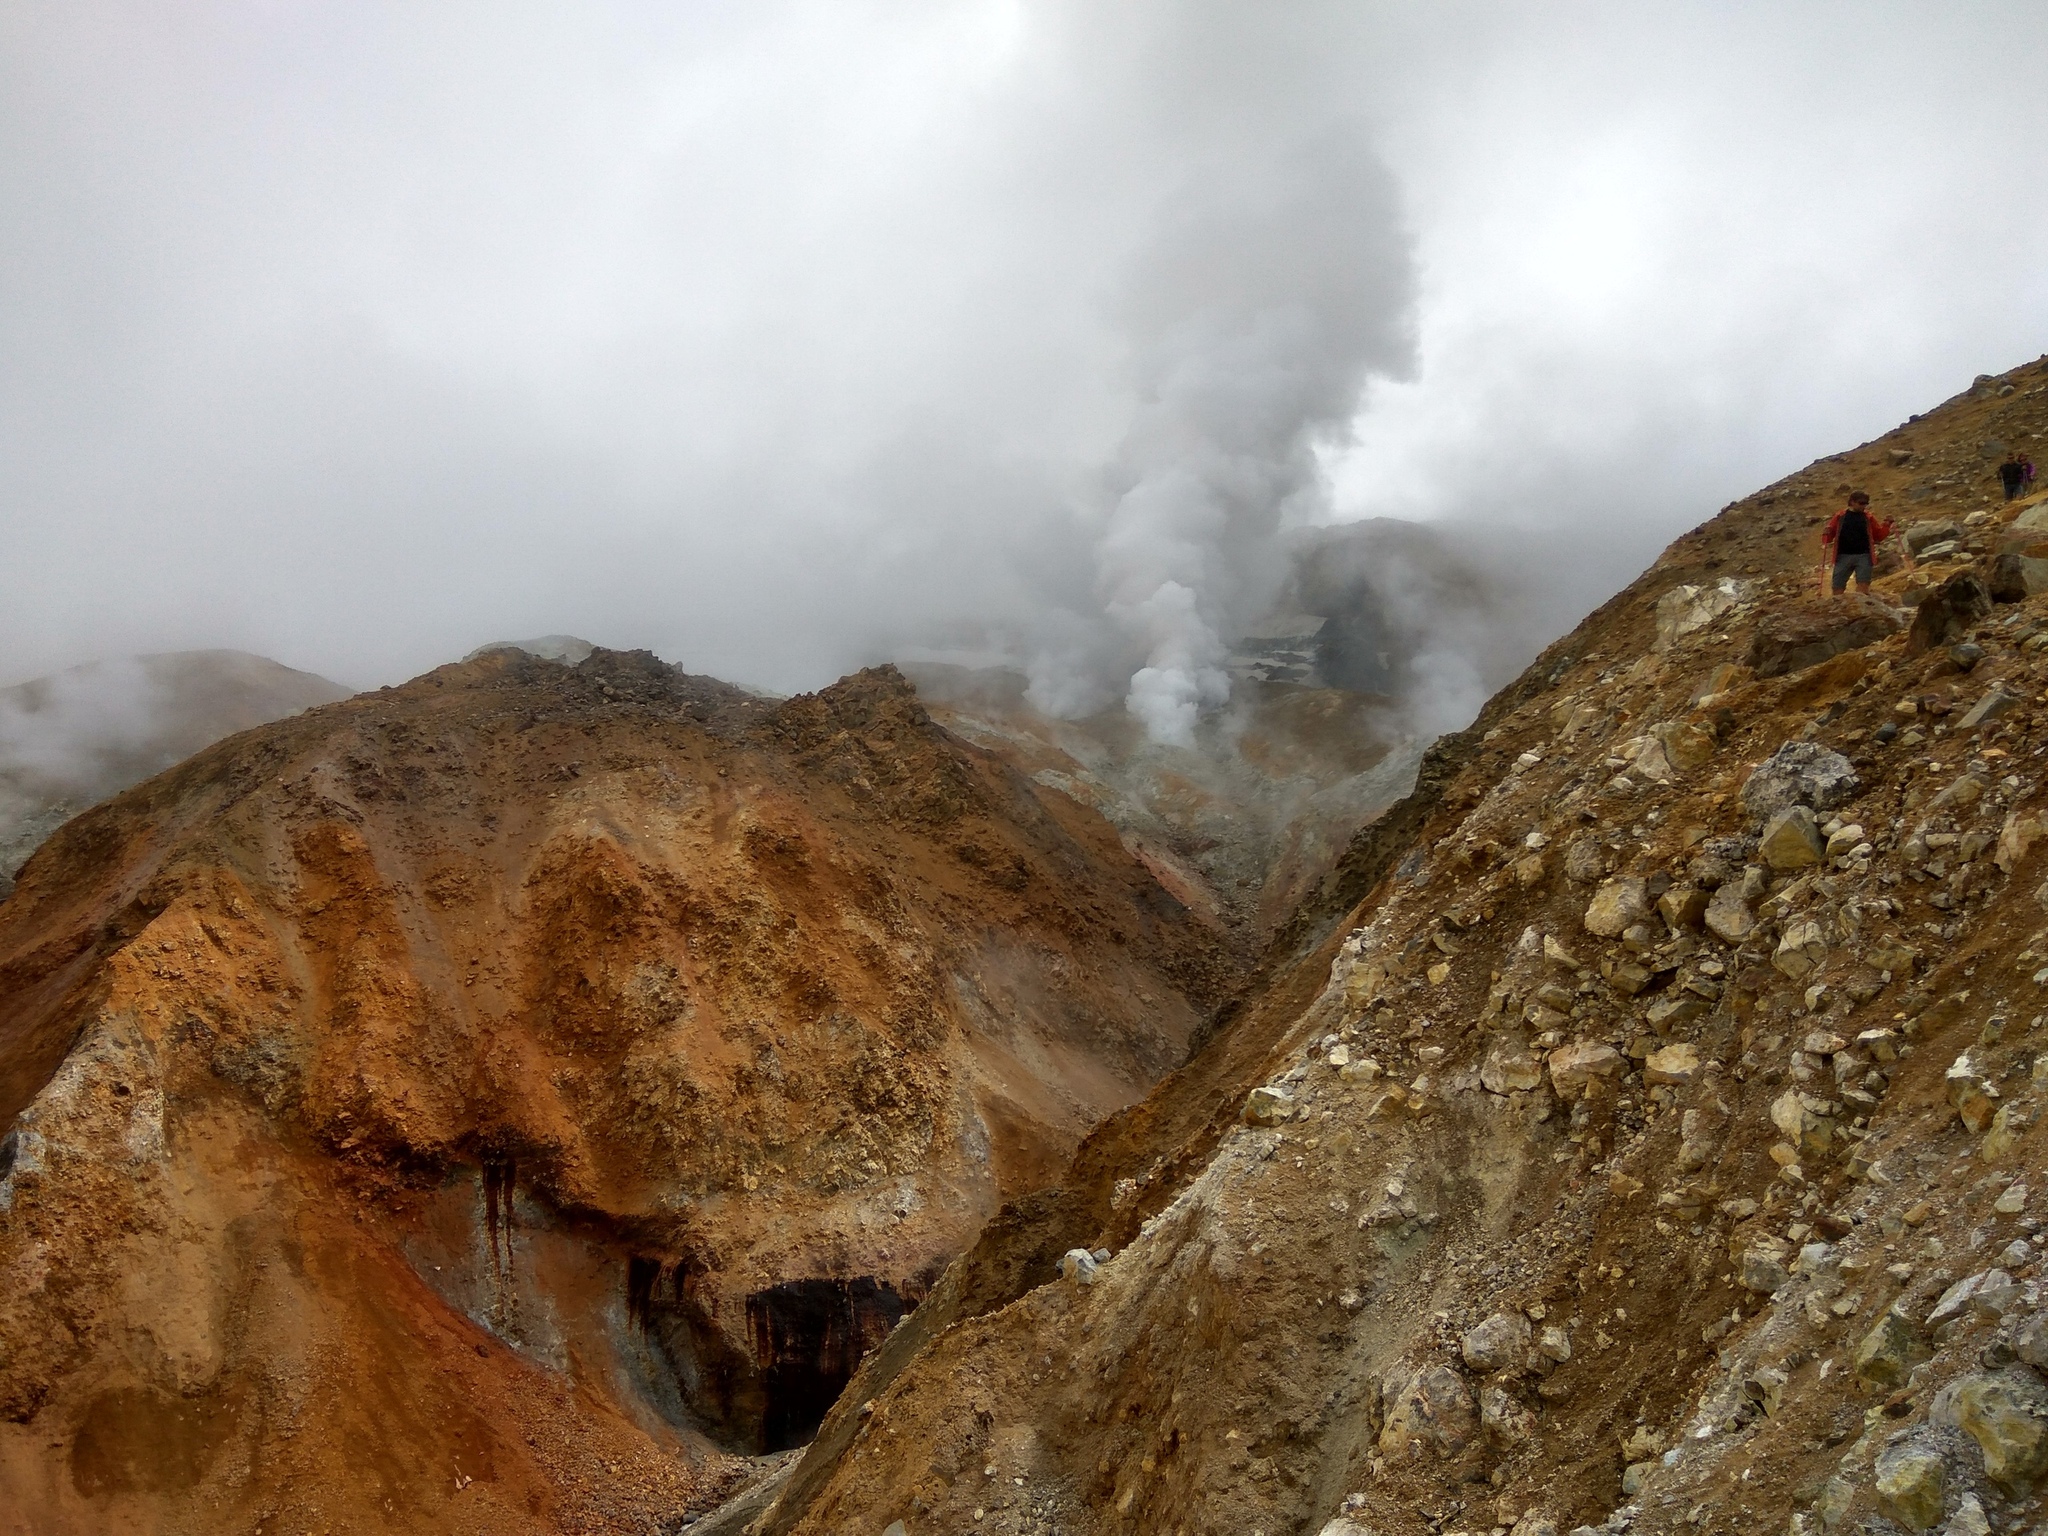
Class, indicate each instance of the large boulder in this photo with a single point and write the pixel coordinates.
(1500, 1343)
(1572, 1067)
(1887, 1354)
(1948, 613)
(1510, 1069)
(2007, 579)
(1791, 840)
(1432, 1408)
(1616, 906)
(1672, 1065)
(1799, 773)
(1666, 751)
(1806, 633)
(1266, 1105)
(1687, 609)
(2007, 1415)
(1729, 916)
(1912, 1484)
(1925, 535)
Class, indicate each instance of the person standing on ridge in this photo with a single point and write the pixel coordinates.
(2012, 474)
(1848, 546)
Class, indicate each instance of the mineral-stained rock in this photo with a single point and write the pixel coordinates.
(1432, 1408)
(1969, 1518)
(1498, 1344)
(1673, 1064)
(1946, 614)
(1683, 907)
(1809, 1132)
(1684, 610)
(1267, 1105)
(1888, 1353)
(1574, 1066)
(2009, 1125)
(1503, 1416)
(1676, 747)
(1812, 630)
(1554, 1344)
(1078, 1266)
(1911, 1483)
(1988, 1293)
(1763, 1271)
(1728, 915)
(1617, 904)
(2019, 833)
(1799, 773)
(1585, 860)
(1510, 1069)
(1972, 1098)
(1801, 948)
(2006, 1413)
(1791, 840)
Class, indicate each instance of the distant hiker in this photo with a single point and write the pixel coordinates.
(1848, 547)
(2012, 474)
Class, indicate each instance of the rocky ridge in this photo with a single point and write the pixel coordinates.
(1655, 1145)
(513, 1099)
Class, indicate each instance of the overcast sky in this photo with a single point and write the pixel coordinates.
(780, 338)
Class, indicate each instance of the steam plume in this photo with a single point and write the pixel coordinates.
(1268, 292)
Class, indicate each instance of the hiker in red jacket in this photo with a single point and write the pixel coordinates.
(1848, 547)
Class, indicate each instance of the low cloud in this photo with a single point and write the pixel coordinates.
(791, 338)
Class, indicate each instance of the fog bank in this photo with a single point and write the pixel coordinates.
(786, 339)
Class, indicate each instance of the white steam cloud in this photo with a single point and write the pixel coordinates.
(1270, 289)
(786, 338)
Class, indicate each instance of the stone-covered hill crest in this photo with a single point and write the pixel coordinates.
(1656, 1143)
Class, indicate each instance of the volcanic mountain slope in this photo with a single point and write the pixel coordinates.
(1380, 627)
(75, 737)
(1655, 1147)
(490, 1103)
(1238, 826)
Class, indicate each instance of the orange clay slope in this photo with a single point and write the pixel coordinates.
(496, 1103)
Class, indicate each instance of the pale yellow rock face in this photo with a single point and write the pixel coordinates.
(2007, 1415)
(1910, 1483)
(1616, 904)
(1672, 1065)
(1573, 1066)
(1791, 840)
(1728, 916)
(1889, 1351)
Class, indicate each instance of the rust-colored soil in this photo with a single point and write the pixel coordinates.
(1713, 1217)
(490, 1104)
